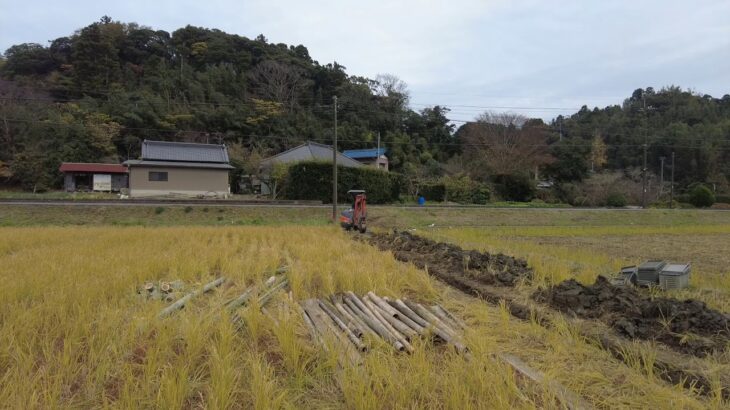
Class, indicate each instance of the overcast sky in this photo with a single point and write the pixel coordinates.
(541, 57)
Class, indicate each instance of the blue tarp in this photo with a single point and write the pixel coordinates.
(364, 153)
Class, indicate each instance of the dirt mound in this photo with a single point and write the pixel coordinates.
(448, 259)
(687, 326)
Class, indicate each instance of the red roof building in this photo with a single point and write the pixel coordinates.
(93, 168)
(81, 176)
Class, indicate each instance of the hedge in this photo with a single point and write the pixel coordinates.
(461, 189)
(435, 192)
(312, 180)
(719, 198)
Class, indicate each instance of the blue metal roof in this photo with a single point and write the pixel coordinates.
(364, 153)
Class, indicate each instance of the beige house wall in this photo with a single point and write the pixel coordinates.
(181, 181)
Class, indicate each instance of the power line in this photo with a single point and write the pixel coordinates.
(501, 107)
(363, 141)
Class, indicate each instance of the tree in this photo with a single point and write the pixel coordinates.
(505, 144)
(278, 82)
(95, 59)
(570, 160)
(391, 87)
(27, 59)
(701, 197)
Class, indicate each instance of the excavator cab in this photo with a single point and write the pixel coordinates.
(356, 216)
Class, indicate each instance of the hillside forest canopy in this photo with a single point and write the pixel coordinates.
(96, 94)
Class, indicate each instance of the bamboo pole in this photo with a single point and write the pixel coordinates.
(264, 299)
(401, 338)
(356, 322)
(382, 303)
(353, 297)
(403, 308)
(180, 303)
(354, 339)
(355, 327)
(398, 325)
(430, 317)
(373, 323)
(453, 317)
(438, 330)
(565, 396)
(325, 326)
(242, 299)
(445, 319)
(368, 312)
(428, 329)
(312, 329)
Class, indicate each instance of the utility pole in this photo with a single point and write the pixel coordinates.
(661, 176)
(643, 170)
(671, 192)
(561, 127)
(334, 170)
(377, 153)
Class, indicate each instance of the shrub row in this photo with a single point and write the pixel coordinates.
(701, 196)
(461, 189)
(312, 180)
(433, 191)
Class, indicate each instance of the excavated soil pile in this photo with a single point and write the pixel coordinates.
(687, 326)
(448, 261)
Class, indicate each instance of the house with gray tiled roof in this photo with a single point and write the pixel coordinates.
(180, 169)
(309, 151)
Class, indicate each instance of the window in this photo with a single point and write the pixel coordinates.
(157, 176)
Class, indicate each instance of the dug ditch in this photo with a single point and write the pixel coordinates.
(685, 327)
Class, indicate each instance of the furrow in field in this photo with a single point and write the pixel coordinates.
(495, 278)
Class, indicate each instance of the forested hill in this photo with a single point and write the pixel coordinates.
(696, 127)
(96, 94)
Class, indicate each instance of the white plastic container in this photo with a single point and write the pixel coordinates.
(674, 276)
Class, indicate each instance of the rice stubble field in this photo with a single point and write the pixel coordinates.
(75, 333)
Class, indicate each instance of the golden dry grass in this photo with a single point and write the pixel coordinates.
(73, 332)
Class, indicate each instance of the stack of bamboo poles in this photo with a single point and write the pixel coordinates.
(349, 320)
(272, 285)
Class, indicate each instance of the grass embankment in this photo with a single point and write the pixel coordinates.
(73, 332)
(378, 216)
(155, 215)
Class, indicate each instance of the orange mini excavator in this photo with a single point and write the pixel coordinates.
(356, 217)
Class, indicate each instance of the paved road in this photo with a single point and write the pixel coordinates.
(156, 203)
(236, 204)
